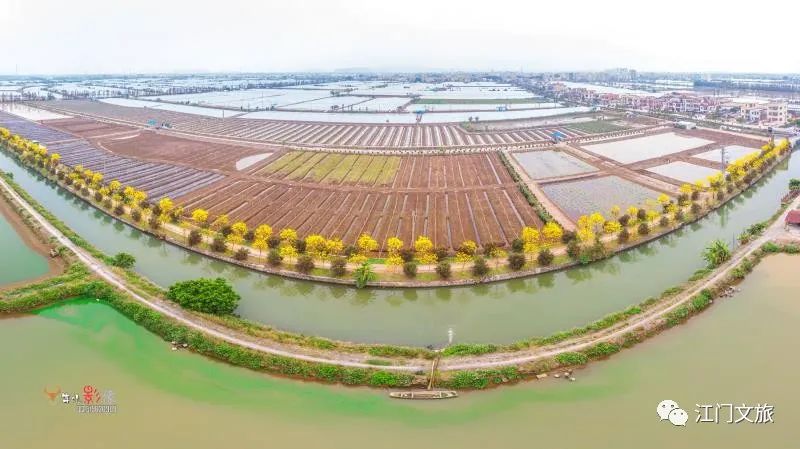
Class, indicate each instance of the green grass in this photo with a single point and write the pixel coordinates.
(294, 163)
(373, 170)
(308, 164)
(338, 173)
(596, 127)
(358, 169)
(281, 162)
(336, 168)
(325, 166)
(389, 171)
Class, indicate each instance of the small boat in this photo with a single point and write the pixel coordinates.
(424, 394)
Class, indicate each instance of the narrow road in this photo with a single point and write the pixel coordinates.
(112, 278)
(774, 231)
(477, 362)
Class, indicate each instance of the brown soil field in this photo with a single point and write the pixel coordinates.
(339, 135)
(87, 128)
(491, 213)
(165, 148)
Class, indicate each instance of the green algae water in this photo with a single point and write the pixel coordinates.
(739, 351)
(18, 262)
(501, 312)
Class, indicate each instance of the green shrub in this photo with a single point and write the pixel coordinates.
(516, 261)
(123, 260)
(545, 257)
(468, 349)
(219, 245)
(214, 296)
(572, 358)
(194, 238)
(602, 349)
(443, 269)
(410, 269)
(338, 267)
(304, 264)
(241, 254)
(274, 258)
(479, 267)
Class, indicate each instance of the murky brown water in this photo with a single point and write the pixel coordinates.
(742, 350)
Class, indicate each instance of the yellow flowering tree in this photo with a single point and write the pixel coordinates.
(424, 250)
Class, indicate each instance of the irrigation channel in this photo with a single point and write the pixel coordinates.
(18, 262)
(500, 312)
(738, 353)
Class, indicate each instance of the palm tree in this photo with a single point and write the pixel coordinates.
(716, 253)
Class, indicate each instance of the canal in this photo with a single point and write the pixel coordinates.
(500, 312)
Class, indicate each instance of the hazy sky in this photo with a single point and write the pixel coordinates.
(120, 36)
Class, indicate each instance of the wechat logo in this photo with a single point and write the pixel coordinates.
(669, 410)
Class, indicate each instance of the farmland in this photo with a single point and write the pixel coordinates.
(596, 127)
(683, 171)
(410, 172)
(586, 196)
(317, 134)
(334, 168)
(448, 198)
(157, 179)
(550, 163)
(732, 152)
(648, 147)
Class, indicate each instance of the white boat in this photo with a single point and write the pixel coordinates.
(424, 394)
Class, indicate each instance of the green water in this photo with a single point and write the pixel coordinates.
(739, 351)
(18, 262)
(499, 312)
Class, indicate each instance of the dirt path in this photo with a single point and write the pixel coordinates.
(357, 360)
(185, 318)
(774, 231)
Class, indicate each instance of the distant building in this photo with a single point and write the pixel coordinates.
(762, 111)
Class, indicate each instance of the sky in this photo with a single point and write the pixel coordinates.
(166, 36)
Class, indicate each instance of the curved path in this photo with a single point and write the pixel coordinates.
(775, 230)
(113, 278)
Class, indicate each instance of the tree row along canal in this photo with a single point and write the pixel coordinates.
(501, 312)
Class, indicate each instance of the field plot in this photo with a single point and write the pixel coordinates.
(483, 214)
(550, 163)
(385, 104)
(30, 113)
(84, 127)
(447, 105)
(33, 131)
(325, 133)
(683, 171)
(648, 147)
(247, 99)
(194, 110)
(328, 103)
(448, 198)
(732, 152)
(406, 172)
(586, 196)
(157, 179)
(596, 127)
(164, 148)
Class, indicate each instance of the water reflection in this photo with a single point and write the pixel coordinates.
(500, 312)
